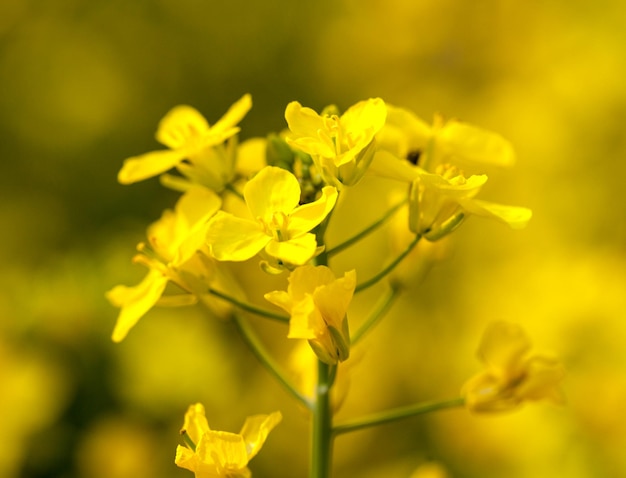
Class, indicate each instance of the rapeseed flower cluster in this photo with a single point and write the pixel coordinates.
(286, 188)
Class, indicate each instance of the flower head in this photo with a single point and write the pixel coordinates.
(513, 375)
(318, 304)
(188, 136)
(341, 146)
(280, 226)
(440, 201)
(218, 454)
(174, 241)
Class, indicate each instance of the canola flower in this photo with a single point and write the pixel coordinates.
(218, 454)
(318, 303)
(189, 137)
(174, 240)
(513, 375)
(343, 146)
(279, 225)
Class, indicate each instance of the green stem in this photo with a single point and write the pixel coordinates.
(249, 307)
(396, 414)
(381, 309)
(371, 228)
(257, 348)
(322, 446)
(370, 282)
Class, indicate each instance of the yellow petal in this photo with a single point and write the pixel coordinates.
(333, 299)
(227, 450)
(403, 133)
(503, 347)
(304, 218)
(179, 125)
(281, 299)
(306, 321)
(255, 431)
(232, 238)
(272, 190)
(233, 116)
(148, 165)
(135, 301)
(469, 143)
(303, 121)
(251, 156)
(195, 423)
(515, 216)
(296, 251)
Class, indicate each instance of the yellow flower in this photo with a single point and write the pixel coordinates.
(440, 201)
(513, 375)
(174, 240)
(318, 303)
(188, 136)
(279, 225)
(341, 146)
(406, 136)
(219, 454)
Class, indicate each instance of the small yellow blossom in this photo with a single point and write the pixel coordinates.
(343, 146)
(513, 375)
(174, 240)
(218, 454)
(406, 136)
(441, 200)
(318, 304)
(279, 226)
(188, 136)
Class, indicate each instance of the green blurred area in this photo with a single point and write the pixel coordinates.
(83, 86)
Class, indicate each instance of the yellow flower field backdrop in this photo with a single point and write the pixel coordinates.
(84, 85)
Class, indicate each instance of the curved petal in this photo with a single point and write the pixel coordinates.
(232, 238)
(281, 299)
(503, 347)
(305, 279)
(255, 431)
(272, 190)
(234, 115)
(302, 121)
(135, 301)
(387, 165)
(195, 423)
(297, 251)
(333, 299)
(305, 320)
(515, 216)
(306, 217)
(179, 125)
(251, 156)
(148, 165)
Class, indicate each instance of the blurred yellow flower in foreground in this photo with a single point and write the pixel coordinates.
(318, 303)
(280, 226)
(174, 240)
(222, 454)
(341, 146)
(188, 135)
(513, 375)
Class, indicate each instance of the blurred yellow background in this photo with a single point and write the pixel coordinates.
(83, 86)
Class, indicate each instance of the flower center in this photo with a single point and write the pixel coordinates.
(277, 226)
(451, 173)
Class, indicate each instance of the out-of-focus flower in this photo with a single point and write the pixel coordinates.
(174, 240)
(318, 303)
(279, 226)
(430, 470)
(188, 136)
(218, 454)
(341, 146)
(408, 137)
(513, 375)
